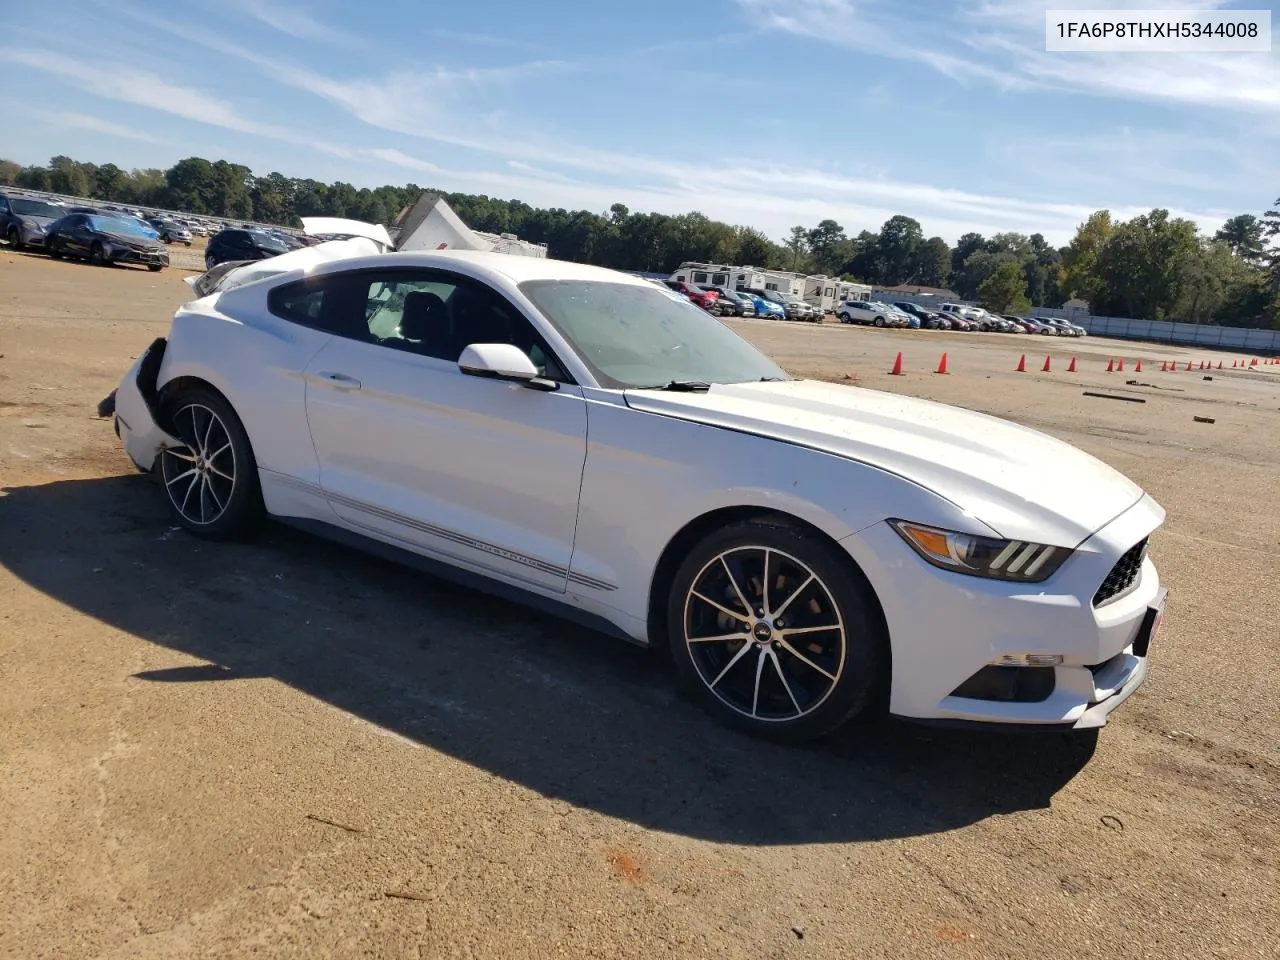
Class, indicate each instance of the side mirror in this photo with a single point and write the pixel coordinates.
(502, 361)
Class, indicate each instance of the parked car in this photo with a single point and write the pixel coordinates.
(241, 245)
(734, 304)
(793, 309)
(23, 221)
(1015, 324)
(703, 298)
(957, 321)
(864, 312)
(928, 319)
(804, 310)
(765, 307)
(1064, 327)
(105, 240)
(1036, 325)
(323, 397)
(170, 231)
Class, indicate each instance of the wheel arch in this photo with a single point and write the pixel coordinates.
(695, 530)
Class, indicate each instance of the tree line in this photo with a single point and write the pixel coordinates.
(1153, 266)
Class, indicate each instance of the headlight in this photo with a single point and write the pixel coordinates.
(1016, 560)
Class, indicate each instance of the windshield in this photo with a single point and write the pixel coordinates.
(268, 242)
(631, 335)
(34, 208)
(123, 225)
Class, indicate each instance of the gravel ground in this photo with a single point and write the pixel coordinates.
(286, 748)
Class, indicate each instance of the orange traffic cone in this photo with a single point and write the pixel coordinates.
(1071, 367)
(1022, 364)
(897, 367)
(1164, 366)
(1219, 364)
(1188, 364)
(942, 364)
(1233, 363)
(1137, 367)
(1111, 365)
(1047, 365)
(1120, 366)
(1253, 362)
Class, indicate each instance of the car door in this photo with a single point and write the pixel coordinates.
(78, 237)
(477, 471)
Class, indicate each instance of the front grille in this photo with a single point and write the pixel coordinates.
(1123, 575)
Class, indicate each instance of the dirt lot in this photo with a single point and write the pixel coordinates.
(286, 748)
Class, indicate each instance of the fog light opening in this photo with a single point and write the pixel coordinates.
(1028, 660)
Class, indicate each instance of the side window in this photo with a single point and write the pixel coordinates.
(4, 205)
(306, 302)
(439, 315)
(699, 278)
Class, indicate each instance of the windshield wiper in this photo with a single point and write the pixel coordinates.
(681, 386)
(774, 379)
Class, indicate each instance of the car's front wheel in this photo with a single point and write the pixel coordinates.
(211, 480)
(97, 254)
(15, 238)
(775, 632)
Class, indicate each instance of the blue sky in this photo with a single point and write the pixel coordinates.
(763, 112)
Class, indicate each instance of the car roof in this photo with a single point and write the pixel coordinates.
(515, 268)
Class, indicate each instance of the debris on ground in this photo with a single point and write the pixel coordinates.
(1204, 420)
(1112, 396)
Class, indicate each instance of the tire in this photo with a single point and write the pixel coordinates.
(15, 238)
(54, 252)
(155, 267)
(97, 255)
(751, 671)
(879, 321)
(211, 482)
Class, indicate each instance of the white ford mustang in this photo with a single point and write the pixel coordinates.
(601, 447)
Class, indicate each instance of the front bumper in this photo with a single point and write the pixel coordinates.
(136, 414)
(948, 630)
(119, 254)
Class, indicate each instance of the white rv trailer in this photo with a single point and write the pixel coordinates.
(783, 281)
(719, 275)
(846, 290)
(823, 292)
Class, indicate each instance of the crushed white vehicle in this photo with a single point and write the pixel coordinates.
(589, 443)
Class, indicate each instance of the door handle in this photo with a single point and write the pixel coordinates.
(339, 380)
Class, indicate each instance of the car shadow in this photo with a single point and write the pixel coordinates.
(566, 712)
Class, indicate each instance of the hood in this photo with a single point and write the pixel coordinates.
(338, 226)
(36, 221)
(132, 240)
(1021, 483)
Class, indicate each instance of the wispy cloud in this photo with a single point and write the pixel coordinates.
(82, 121)
(479, 39)
(294, 21)
(965, 44)
(120, 81)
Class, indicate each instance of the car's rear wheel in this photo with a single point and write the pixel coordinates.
(775, 632)
(155, 267)
(54, 251)
(211, 480)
